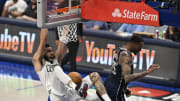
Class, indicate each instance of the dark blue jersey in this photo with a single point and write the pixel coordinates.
(117, 68)
(115, 83)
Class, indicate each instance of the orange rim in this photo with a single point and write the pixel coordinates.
(66, 9)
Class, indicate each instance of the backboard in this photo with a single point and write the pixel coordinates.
(52, 13)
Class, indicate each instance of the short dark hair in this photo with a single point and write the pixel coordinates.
(136, 38)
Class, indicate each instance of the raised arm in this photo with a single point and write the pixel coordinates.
(60, 51)
(125, 60)
(39, 54)
(62, 40)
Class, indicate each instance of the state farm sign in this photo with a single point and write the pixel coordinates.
(134, 15)
(120, 11)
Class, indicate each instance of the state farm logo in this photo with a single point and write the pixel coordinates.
(116, 13)
(133, 14)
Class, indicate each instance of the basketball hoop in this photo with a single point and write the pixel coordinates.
(67, 33)
(50, 15)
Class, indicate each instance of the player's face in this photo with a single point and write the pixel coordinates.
(137, 47)
(49, 54)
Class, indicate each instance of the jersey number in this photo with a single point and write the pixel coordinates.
(50, 68)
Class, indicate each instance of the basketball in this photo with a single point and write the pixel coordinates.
(76, 77)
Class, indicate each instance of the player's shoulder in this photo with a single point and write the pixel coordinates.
(123, 51)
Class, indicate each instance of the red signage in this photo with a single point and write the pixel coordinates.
(148, 92)
(120, 11)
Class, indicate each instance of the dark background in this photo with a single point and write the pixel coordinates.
(167, 57)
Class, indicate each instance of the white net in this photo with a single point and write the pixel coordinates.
(67, 33)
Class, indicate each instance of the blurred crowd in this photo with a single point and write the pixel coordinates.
(27, 10)
(123, 29)
(19, 9)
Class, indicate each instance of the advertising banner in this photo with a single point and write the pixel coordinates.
(98, 53)
(94, 52)
(23, 41)
(120, 11)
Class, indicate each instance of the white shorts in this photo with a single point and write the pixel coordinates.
(92, 96)
(73, 96)
(54, 97)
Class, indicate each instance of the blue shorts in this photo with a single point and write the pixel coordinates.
(112, 86)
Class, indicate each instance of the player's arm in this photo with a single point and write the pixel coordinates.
(125, 61)
(60, 51)
(39, 54)
(63, 77)
(61, 41)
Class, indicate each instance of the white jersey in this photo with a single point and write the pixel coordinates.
(91, 95)
(49, 79)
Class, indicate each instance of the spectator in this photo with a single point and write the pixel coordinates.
(96, 25)
(173, 34)
(114, 26)
(130, 28)
(31, 12)
(88, 24)
(14, 8)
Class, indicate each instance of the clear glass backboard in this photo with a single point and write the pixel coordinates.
(52, 13)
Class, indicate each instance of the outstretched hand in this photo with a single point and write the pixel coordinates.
(153, 67)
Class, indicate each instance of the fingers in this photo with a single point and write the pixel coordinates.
(155, 65)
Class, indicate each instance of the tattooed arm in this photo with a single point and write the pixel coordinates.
(125, 60)
(97, 82)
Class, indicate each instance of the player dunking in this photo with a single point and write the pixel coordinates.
(46, 64)
(56, 82)
(122, 70)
